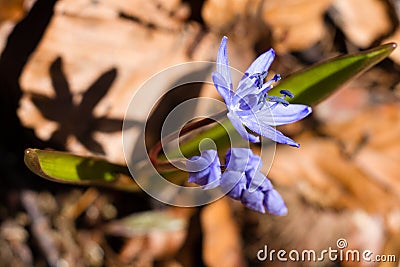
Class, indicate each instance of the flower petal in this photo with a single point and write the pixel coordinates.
(213, 181)
(238, 159)
(205, 170)
(211, 155)
(286, 114)
(233, 183)
(260, 182)
(253, 200)
(260, 65)
(274, 203)
(197, 164)
(200, 178)
(236, 122)
(245, 87)
(263, 128)
(279, 114)
(254, 166)
(223, 87)
(222, 62)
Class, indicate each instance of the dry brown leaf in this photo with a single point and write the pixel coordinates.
(134, 249)
(98, 45)
(222, 15)
(395, 37)
(344, 104)
(241, 21)
(152, 243)
(363, 21)
(392, 248)
(295, 24)
(221, 242)
(83, 203)
(155, 13)
(11, 10)
(165, 244)
(357, 167)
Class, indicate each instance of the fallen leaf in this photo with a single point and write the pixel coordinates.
(296, 25)
(395, 37)
(85, 42)
(354, 18)
(221, 242)
(11, 10)
(356, 167)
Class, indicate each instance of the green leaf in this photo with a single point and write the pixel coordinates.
(314, 84)
(73, 169)
(191, 148)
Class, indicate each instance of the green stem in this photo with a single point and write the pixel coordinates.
(155, 151)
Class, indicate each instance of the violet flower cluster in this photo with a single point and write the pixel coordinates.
(241, 180)
(248, 106)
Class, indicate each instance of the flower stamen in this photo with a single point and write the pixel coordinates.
(267, 86)
(277, 100)
(259, 78)
(286, 93)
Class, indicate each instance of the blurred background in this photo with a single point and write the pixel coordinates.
(68, 69)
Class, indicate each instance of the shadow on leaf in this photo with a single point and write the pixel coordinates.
(77, 119)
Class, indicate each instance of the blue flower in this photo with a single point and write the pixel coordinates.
(246, 183)
(250, 104)
(241, 180)
(205, 170)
